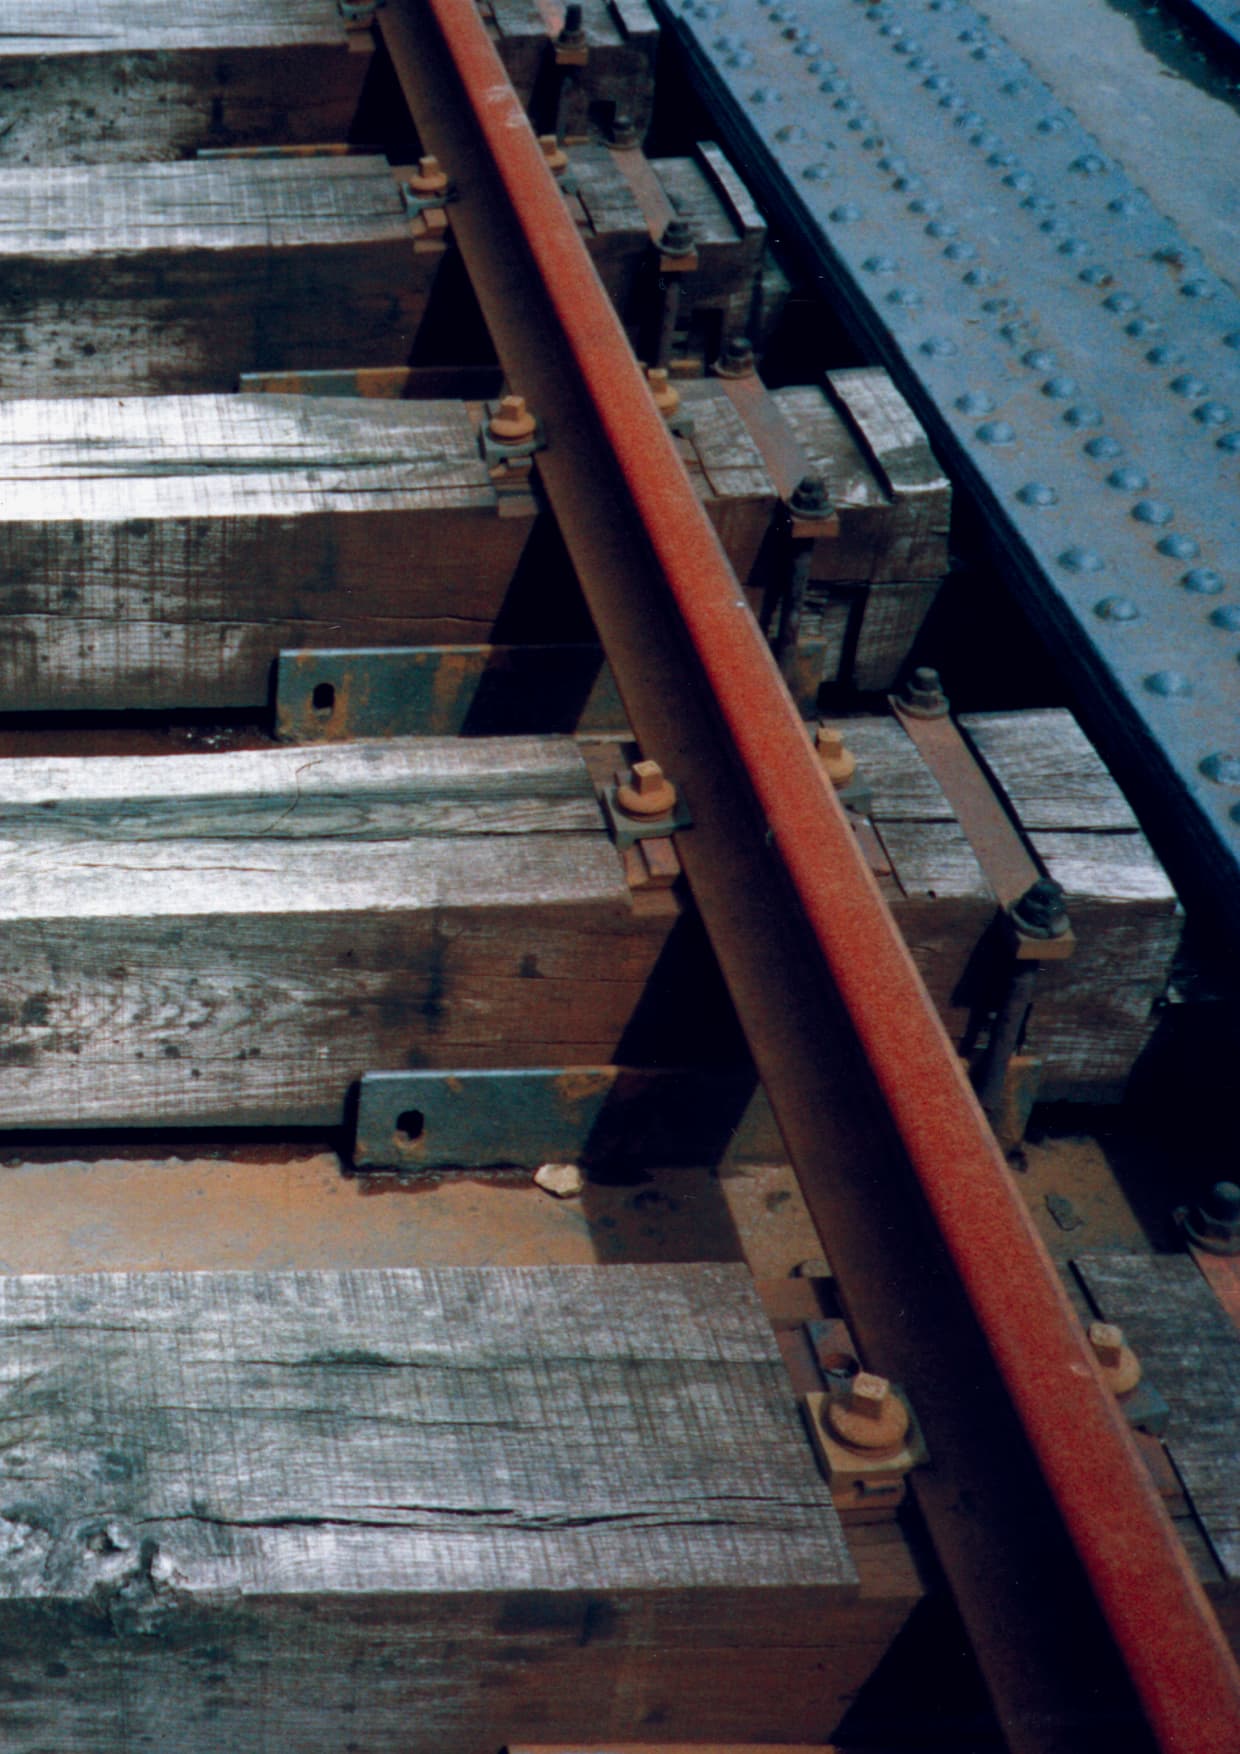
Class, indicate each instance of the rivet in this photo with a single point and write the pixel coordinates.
(1059, 389)
(1039, 359)
(1232, 340)
(1141, 326)
(1083, 414)
(941, 228)
(1170, 684)
(1228, 617)
(951, 102)
(970, 119)
(1124, 204)
(1081, 560)
(1179, 548)
(1074, 247)
(1096, 276)
(1038, 204)
(905, 184)
(760, 95)
(1121, 302)
(926, 204)
(1089, 164)
(1222, 768)
(1230, 441)
(937, 82)
(939, 347)
(1128, 480)
(1164, 355)
(1012, 87)
(895, 167)
(975, 402)
(979, 277)
(996, 432)
(845, 105)
(1103, 446)
(1201, 289)
(1037, 493)
(1019, 180)
(1203, 581)
(1117, 609)
(1187, 385)
(1051, 125)
(815, 173)
(1152, 511)
(960, 251)
(907, 296)
(1212, 414)
(833, 85)
(1001, 160)
(880, 264)
(845, 212)
(791, 133)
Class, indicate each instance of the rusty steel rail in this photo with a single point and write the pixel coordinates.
(1035, 1490)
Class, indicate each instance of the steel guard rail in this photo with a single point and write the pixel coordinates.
(527, 260)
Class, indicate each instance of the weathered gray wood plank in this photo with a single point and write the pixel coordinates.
(178, 949)
(171, 278)
(1191, 1353)
(1094, 1013)
(303, 1510)
(159, 551)
(1050, 771)
(384, 790)
(91, 81)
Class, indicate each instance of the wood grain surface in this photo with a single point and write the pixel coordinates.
(169, 278)
(159, 551)
(1094, 1013)
(234, 939)
(1190, 1352)
(387, 1509)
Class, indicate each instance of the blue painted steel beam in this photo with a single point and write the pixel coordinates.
(1075, 360)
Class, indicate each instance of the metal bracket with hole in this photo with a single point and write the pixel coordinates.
(411, 1121)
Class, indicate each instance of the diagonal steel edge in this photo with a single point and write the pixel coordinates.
(699, 680)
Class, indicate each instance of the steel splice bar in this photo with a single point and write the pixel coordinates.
(1073, 357)
(944, 1278)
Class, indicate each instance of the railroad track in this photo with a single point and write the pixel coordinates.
(236, 935)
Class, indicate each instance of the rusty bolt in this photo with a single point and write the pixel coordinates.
(666, 395)
(923, 696)
(1040, 911)
(553, 152)
(512, 421)
(677, 238)
(869, 1417)
(736, 360)
(623, 133)
(836, 760)
(809, 498)
(1118, 1360)
(430, 178)
(647, 792)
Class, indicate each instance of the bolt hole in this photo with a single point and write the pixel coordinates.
(323, 700)
(410, 1126)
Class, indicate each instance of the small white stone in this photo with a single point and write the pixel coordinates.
(564, 1180)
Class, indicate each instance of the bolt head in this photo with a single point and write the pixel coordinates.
(1107, 1342)
(512, 420)
(868, 1394)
